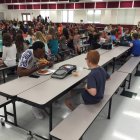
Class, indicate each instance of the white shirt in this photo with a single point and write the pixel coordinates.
(27, 60)
(9, 55)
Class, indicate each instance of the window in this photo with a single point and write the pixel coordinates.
(67, 16)
(90, 16)
(64, 16)
(70, 16)
(26, 17)
(97, 16)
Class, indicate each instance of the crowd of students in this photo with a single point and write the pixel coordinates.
(27, 43)
(58, 37)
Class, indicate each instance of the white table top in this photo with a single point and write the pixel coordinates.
(116, 51)
(102, 51)
(72, 128)
(22, 84)
(130, 65)
(79, 60)
(43, 93)
(48, 93)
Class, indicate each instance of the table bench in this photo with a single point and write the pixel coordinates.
(3, 69)
(76, 124)
(129, 67)
(3, 102)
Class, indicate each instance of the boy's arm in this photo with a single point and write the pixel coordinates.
(26, 72)
(91, 91)
(91, 86)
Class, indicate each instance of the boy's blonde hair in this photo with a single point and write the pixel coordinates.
(39, 36)
(93, 57)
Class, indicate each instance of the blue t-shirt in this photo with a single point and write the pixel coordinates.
(53, 45)
(136, 47)
(96, 79)
(113, 38)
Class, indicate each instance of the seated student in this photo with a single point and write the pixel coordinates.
(53, 43)
(125, 39)
(29, 64)
(9, 51)
(95, 42)
(113, 37)
(76, 42)
(40, 37)
(136, 45)
(94, 90)
(19, 41)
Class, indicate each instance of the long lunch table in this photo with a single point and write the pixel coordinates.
(22, 84)
(60, 85)
(41, 92)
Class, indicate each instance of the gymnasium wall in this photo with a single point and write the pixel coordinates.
(123, 12)
(107, 16)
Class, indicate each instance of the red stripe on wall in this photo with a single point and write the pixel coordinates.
(29, 7)
(70, 6)
(79, 5)
(89, 5)
(60, 6)
(44, 0)
(53, 0)
(21, 1)
(29, 0)
(52, 6)
(136, 3)
(113, 4)
(64, 0)
(10, 6)
(23, 7)
(14, 1)
(1, 1)
(101, 4)
(36, 0)
(36, 6)
(44, 6)
(16, 6)
(126, 4)
(8, 1)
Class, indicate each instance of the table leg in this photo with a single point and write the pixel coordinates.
(5, 113)
(130, 81)
(109, 110)
(137, 68)
(124, 85)
(15, 113)
(3, 74)
(50, 120)
(114, 63)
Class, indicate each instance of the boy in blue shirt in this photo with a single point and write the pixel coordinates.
(94, 90)
(136, 45)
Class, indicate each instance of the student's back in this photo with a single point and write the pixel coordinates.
(9, 51)
(97, 78)
(136, 48)
(136, 45)
(53, 45)
(9, 55)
